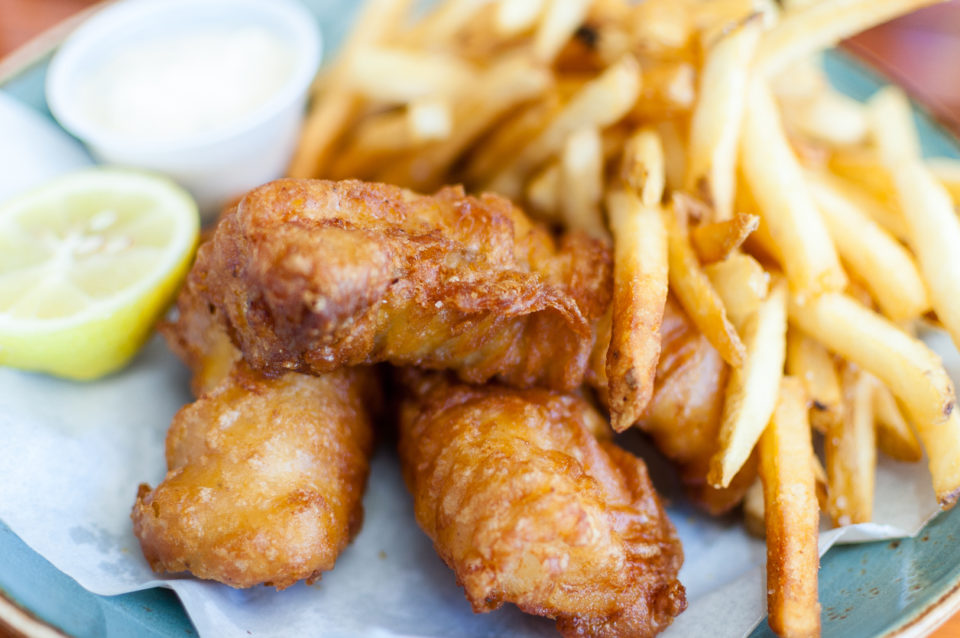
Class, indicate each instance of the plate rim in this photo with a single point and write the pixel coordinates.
(17, 620)
(931, 617)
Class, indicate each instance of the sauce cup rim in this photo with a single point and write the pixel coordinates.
(94, 36)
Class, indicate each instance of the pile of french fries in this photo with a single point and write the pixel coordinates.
(800, 230)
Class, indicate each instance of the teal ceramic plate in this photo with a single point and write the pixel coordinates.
(903, 588)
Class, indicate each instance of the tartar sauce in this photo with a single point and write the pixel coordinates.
(194, 83)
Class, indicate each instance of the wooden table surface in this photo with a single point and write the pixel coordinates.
(921, 51)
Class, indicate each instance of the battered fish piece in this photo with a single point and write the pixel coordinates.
(265, 479)
(683, 417)
(528, 506)
(266, 475)
(312, 275)
(199, 338)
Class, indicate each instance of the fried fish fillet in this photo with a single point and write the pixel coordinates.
(683, 417)
(266, 475)
(312, 275)
(265, 479)
(528, 506)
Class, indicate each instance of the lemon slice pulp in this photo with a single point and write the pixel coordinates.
(87, 263)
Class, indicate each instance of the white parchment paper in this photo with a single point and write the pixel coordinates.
(72, 455)
(32, 149)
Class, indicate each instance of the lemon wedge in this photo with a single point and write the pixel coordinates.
(87, 264)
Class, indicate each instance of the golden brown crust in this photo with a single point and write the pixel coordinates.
(266, 475)
(312, 275)
(529, 507)
(198, 337)
(265, 479)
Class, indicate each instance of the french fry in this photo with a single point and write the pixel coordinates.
(669, 89)
(861, 177)
(892, 129)
(322, 129)
(642, 166)
(569, 84)
(716, 16)
(851, 454)
(942, 444)
(506, 84)
(383, 132)
(513, 134)
(895, 437)
(639, 296)
(614, 141)
(560, 20)
(693, 209)
(396, 75)
(810, 153)
(604, 32)
(429, 119)
(760, 242)
(543, 192)
(830, 117)
(906, 365)
(516, 16)
(823, 489)
(663, 28)
(715, 241)
(715, 124)
(804, 80)
(742, 284)
(695, 293)
(751, 393)
(600, 102)
(934, 229)
(443, 23)
(777, 183)
(862, 168)
(815, 26)
(872, 254)
(947, 171)
(791, 516)
(479, 39)
(810, 362)
(381, 136)
(334, 107)
(674, 151)
(581, 182)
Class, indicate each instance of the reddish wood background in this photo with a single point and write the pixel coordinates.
(21, 20)
(922, 51)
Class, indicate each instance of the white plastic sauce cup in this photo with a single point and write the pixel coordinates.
(216, 165)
